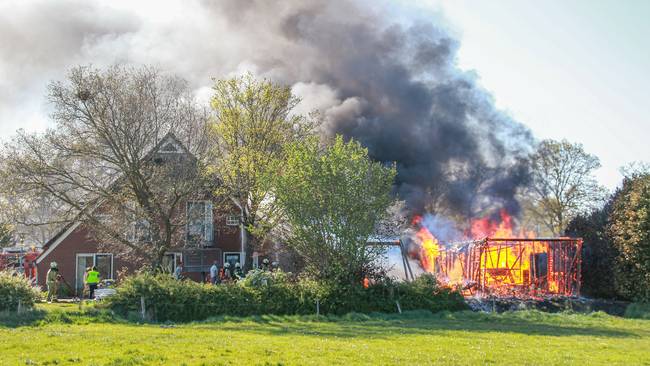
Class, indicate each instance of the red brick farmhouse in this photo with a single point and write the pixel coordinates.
(218, 228)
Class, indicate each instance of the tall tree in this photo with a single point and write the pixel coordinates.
(563, 184)
(103, 162)
(253, 124)
(333, 198)
(630, 232)
(599, 254)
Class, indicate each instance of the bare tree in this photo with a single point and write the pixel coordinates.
(31, 216)
(563, 184)
(121, 157)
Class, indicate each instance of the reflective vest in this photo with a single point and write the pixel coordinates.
(93, 277)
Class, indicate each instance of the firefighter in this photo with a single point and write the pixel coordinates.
(275, 265)
(239, 274)
(92, 280)
(265, 264)
(53, 278)
(227, 276)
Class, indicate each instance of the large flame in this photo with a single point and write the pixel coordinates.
(486, 227)
(429, 249)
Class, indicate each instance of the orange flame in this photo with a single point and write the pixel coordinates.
(429, 249)
(485, 227)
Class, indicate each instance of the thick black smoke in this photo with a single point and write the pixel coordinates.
(454, 150)
(393, 85)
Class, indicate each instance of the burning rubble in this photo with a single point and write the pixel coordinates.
(493, 259)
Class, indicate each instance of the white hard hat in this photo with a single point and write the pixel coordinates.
(237, 264)
(53, 265)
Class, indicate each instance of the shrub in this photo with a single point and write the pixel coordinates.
(275, 293)
(638, 310)
(14, 289)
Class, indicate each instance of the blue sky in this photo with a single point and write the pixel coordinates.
(577, 70)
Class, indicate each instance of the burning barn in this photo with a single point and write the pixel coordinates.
(499, 263)
(520, 267)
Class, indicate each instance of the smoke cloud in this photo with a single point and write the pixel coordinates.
(391, 84)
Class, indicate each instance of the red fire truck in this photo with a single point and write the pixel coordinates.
(20, 260)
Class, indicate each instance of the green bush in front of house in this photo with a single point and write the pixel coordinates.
(276, 293)
(15, 289)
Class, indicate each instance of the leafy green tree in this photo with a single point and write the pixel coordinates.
(253, 124)
(333, 197)
(563, 184)
(599, 254)
(630, 231)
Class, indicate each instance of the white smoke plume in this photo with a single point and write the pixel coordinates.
(392, 84)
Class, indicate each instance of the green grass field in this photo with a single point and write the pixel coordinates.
(63, 336)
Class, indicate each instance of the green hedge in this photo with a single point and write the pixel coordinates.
(272, 293)
(14, 288)
(638, 310)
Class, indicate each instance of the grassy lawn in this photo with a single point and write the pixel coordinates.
(65, 336)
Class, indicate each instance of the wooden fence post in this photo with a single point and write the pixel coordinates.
(143, 310)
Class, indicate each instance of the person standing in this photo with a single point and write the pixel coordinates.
(52, 282)
(214, 273)
(265, 265)
(178, 272)
(92, 280)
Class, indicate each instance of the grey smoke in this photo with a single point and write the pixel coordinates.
(393, 85)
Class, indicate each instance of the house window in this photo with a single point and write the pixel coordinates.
(171, 261)
(232, 220)
(170, 147)
(103, 262)
(232, 258)
(140, 231)
(104, 219)
(199, 223)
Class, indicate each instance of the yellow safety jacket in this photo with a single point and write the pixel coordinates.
(93, 277)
